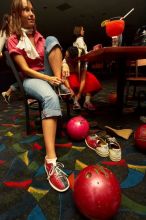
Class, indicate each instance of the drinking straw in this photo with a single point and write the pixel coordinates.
(127, 14)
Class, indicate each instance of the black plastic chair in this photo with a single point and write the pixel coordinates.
(27, 106)
(26, 97)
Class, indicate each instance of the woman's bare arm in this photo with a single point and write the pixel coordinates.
(21, 62)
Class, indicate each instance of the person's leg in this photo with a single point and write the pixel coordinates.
(14, 87)
(74, 83)
(52, 57)
(88, 97)
(88, 103)
(9, 91)
(49, 126)
(7, 94)
(92, 86)
(42, 91)
(53, 61)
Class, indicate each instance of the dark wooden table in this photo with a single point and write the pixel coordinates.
(120, 55)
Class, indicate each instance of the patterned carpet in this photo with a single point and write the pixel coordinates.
(24, 189)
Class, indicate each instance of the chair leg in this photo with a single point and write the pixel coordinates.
(134, 91)
(27, 119)
(127, 94)
(59, 127)
(140, 95)
(40, 110)
(68, 109)
(67, 102)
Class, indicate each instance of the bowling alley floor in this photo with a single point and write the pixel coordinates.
(24, 190)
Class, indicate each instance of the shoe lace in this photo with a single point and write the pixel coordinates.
(56, 170)
(98, 141)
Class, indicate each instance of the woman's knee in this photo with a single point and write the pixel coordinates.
(51, 107)
(52, 101)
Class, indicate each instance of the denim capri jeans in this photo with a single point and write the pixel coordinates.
(42, 90)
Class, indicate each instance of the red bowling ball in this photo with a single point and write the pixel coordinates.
(140, 137)
(97, 193)
(77, 128)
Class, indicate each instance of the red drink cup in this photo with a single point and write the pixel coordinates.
(115, 27)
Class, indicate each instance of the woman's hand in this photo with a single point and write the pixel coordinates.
(65, 70)
(54, 80)
(72, 92)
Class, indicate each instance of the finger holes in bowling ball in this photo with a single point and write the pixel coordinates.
(88, 175)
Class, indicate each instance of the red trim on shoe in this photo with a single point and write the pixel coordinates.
(98, 145)
(56, 177)
(89, 106)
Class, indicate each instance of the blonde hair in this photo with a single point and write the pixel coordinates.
(16, 10)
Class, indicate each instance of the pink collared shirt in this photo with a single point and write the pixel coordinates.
(35, 64)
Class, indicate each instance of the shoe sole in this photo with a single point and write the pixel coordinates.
(57, 188)
(89, 109)
(101, 155)
(75, 109)
(115, 159)
(53, 185)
